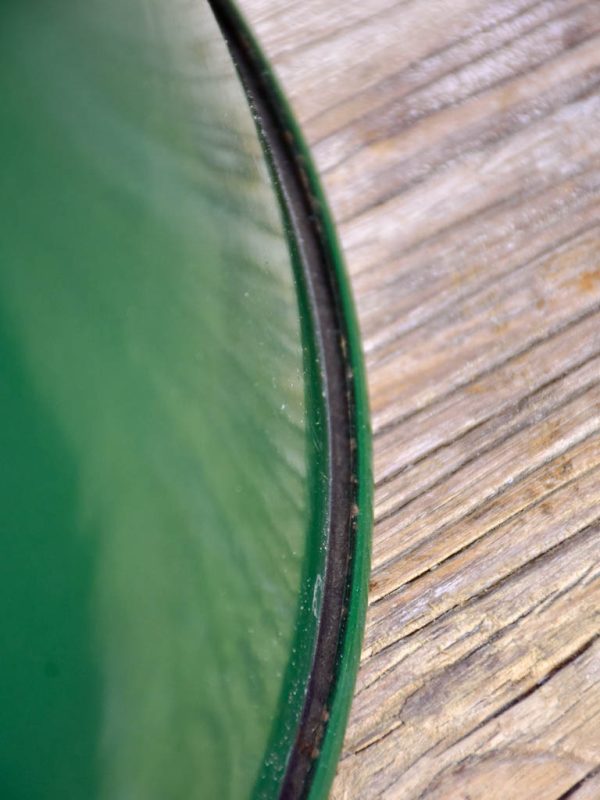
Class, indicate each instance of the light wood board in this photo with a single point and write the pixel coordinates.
(459, 145)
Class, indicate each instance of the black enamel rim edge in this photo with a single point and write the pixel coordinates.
(330, 328)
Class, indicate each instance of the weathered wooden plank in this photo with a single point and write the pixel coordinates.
(459, 145)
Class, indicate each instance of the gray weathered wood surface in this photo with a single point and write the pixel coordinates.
(459, 144)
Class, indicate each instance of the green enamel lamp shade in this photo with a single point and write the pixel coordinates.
(183, 449)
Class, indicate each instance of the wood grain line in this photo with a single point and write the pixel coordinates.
(587, 778)
(587, 533)
(569, 659)
(412, 119)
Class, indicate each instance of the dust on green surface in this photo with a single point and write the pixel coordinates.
(155, 457)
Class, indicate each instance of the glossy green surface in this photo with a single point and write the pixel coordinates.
(342, 689)
(162, 461)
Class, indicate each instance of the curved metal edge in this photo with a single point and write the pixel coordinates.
(312, 762)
